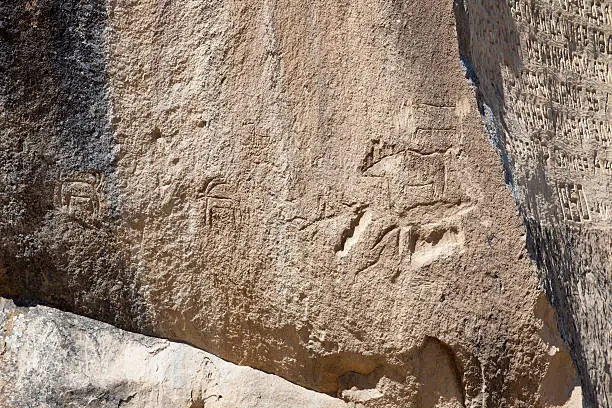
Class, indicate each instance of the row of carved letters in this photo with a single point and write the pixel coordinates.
(564, 94)
(82, 195)
(563, 125)
(573, 202)
(547, 18)
(560, 57)
(561, 159)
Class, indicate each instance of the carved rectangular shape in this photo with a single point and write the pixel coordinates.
(573, 202)
(81, 194)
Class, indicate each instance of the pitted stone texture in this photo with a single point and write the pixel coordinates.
(309, 191)
(542, 76)
(52, 359)
(302, 187)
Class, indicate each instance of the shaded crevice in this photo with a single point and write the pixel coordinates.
(557, 250)
(351, 232)
(495, 127)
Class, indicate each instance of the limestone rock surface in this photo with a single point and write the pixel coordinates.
(542, 74)
(53, 359)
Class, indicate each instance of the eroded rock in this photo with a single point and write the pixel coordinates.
(542, 79)
(301, 187)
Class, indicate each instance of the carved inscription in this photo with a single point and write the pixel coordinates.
(395, 231)
(556, 113)
(415, 168)
(573, 202)
(557, 104)
(412, 178)
(81, 194)
(221, 209)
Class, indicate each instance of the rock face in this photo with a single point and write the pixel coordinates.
(308, 189)
(54, 359)
(542, 74)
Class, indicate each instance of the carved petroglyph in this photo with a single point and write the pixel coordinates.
(397, 244)
(573, 202)
(419, 124)
(413, 178)
(377, 152)
(257, 142)
(351, 235)
(221, 209)
(81, 194)
(413, 171)
(416, 165)
(254, 137)
(421, 245)
(432, 242)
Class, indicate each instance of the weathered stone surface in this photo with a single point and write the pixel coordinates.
(542, 74)
(55, 359)
(302, 187)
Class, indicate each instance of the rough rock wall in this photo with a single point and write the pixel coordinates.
(58, 157)
(302, 187)
(542, 74)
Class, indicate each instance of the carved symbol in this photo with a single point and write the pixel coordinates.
(398, 244)
(573, 202)
(206, 388)
(211, 381)
(426, 172)
(220, 207)
(414, 178)
(416, 167)
(81, 194)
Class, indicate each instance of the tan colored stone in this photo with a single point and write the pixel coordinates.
(541, 71)
(305, 188)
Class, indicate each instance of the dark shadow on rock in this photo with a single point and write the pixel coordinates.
(489, 40)
(58, 192)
